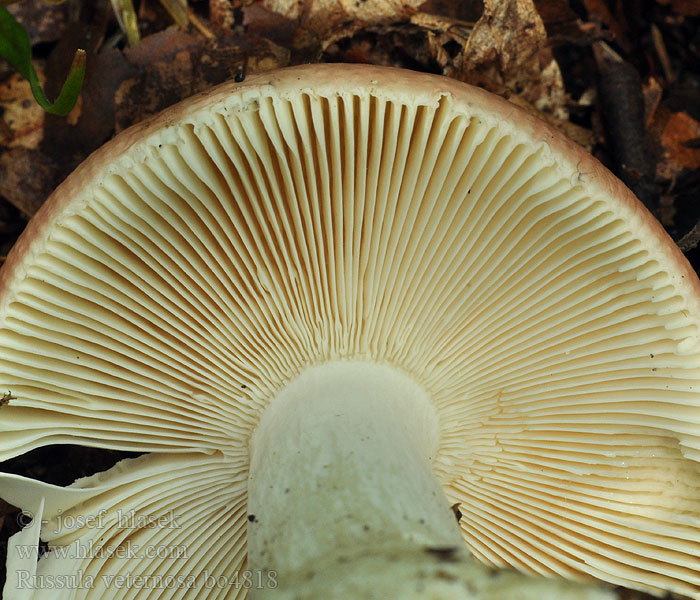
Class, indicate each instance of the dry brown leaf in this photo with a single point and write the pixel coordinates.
(441, 32)
(26, 178)
(689, 8)
(557, 16)
(44, 23)
(599, 12)
(677, 157)
(403, 45)
(166, 63)
(221, 15)
(460, 30)
(508, 47)
(463, 10)
(269, 24)
(564, 26)
(266, 56)
(22, 116)
(652, 92)
(173, 65)
(319, 23)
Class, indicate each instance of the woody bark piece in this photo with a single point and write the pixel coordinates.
(622, 106)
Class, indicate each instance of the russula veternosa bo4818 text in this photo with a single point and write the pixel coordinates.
(329, 303)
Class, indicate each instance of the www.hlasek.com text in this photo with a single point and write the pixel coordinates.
(91, 550)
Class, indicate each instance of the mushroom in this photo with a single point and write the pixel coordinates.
(328, 304)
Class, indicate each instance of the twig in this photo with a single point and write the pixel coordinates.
(622, 105)
(690, 239)
(660, 48)
(203, 29)
(126, 17)
(177, 10)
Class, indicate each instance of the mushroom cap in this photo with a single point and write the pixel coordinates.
(192, 266)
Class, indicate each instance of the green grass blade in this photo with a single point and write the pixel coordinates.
(17, 50)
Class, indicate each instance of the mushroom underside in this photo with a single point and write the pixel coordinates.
(279, 228)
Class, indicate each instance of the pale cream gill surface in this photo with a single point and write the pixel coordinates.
(291, 231)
